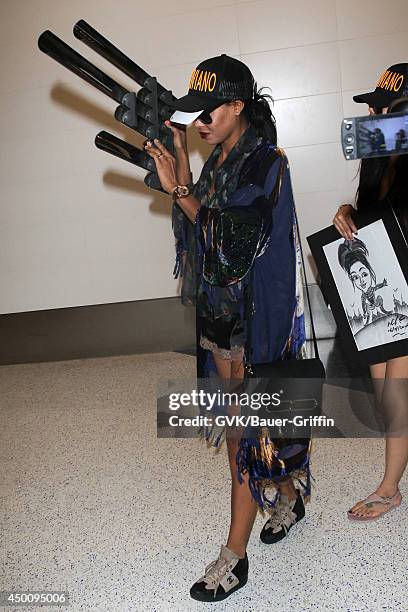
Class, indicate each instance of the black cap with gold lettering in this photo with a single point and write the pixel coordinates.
(392, 84)
(214, 82)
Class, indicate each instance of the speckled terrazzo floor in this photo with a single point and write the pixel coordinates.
(93, 503)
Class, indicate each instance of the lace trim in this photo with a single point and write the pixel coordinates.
(236, 353)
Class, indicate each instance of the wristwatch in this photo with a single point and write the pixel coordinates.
(181, 191)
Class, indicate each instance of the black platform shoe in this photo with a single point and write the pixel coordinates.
(222, 577)
(284, 515)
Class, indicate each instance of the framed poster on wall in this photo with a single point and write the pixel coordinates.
(365, 281)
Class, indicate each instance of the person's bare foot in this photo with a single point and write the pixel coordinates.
(374, 509)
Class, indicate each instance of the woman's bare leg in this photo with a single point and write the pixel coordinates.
(394, 400)
(243, 506)
(286, 487)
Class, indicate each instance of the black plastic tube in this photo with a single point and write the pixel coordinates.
(71, 59)
(114, 145)
(91, 37)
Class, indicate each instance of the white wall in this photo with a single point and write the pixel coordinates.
(78, 226)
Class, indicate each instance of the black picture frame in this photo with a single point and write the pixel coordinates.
(354, 332)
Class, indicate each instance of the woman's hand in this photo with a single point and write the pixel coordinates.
(179, 135)
(165, 164)
(343, 222)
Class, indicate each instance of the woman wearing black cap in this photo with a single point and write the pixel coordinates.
(384, 183)
(239, 216)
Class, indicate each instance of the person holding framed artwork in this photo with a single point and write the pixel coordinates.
(383, 183)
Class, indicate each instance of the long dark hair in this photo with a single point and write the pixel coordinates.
(259, 114)
(373, 170)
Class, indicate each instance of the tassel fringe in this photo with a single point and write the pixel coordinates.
(266, 464)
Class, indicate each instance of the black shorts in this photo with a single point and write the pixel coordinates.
(225, 331)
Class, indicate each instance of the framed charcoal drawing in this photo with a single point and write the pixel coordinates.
(365, 281)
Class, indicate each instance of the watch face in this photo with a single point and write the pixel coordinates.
(183, 190)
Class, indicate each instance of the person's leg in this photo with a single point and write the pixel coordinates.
(390, 382)
(223, 366)
(288, 510)
(286, 487)
(378, 379)
(243, 506)
(395, 401)
(230, 571)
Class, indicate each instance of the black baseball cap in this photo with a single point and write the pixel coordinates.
(214, 82)
(392, 84)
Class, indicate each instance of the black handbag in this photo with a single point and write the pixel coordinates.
(302, 394)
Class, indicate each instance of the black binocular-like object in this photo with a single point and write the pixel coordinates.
(144, 111)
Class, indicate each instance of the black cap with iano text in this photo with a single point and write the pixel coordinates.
(214, 82)
(392, 84)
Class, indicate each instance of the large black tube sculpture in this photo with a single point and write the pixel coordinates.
(144, 112)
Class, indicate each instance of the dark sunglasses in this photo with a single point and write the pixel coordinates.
(205, 116)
